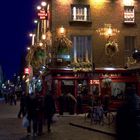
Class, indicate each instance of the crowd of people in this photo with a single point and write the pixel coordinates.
(38, 109)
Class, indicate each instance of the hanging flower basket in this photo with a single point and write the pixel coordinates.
(106, 82)
(111, 48)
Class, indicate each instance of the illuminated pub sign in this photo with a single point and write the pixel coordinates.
(42, 14)
(93, 82)
(27, 71)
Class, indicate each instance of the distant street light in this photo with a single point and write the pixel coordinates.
(38, 7)
(28, 48)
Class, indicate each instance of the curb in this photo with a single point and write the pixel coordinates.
(93, 129)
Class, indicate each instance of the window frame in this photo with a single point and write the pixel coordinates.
(86, 15)
(90, 49)
(129, 45)
(126, 13)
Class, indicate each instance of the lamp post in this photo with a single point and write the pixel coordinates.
(38, 30)
(33, 38)
(45, 48)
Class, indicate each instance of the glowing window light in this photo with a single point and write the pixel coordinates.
(64, 2)
(97, 2)
(128, 2)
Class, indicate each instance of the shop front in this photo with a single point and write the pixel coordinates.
(113, 83)
(88, 86)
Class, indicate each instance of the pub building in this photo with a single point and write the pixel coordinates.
(94, 47)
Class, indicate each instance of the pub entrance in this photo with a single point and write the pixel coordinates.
(64, 88)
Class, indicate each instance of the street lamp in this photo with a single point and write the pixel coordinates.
(38, 30)
(62, 30)
(43, 3)
(38, 7)
(33, 38)
(28, 48)
(40, 44)
(43, 37)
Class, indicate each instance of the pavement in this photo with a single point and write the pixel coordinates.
(8, 119)
(81, 122)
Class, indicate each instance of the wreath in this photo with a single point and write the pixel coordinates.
(111, 48)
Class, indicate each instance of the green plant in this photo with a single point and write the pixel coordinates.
(111, 48)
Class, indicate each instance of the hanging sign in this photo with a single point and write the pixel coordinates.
(42, 14)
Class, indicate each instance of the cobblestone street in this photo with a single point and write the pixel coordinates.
(11, 128)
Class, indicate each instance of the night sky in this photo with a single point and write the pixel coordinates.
(15, 24)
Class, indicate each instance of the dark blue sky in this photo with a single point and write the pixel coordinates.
(16, 21)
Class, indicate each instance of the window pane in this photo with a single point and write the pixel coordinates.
(80, 12)
(81, 48)
(129, 44)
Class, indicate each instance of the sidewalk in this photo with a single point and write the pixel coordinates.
(80, 121)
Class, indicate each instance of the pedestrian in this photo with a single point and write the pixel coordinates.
(49, 109)
(106, 102)
(40, 113)
(79, 104)
(21, 112)
(61, 100)
(71, 103)
(127, 119)
(31, 111)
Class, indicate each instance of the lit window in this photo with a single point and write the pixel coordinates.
(129, 14)
(128, 2)
(82, 48)
(80, 12)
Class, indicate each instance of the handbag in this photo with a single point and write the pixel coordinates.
(25, 122)
(54, 118)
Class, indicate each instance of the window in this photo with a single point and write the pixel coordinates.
(130, 42)
(82, 49)
(80, 12)
(129, 14)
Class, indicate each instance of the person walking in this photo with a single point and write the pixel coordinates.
(127, 118)
(49, 109)
(21, 112)
(71, 103)
(61, 100)
(40, 113)
(31, 111)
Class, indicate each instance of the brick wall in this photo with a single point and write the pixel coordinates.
(109, 12)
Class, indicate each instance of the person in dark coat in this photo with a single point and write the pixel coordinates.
(71, 103)
(49, 109)
(40, 113)
(79, 104)
(127, 119)
(21, 112)
(31, 111)
(61, 100)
